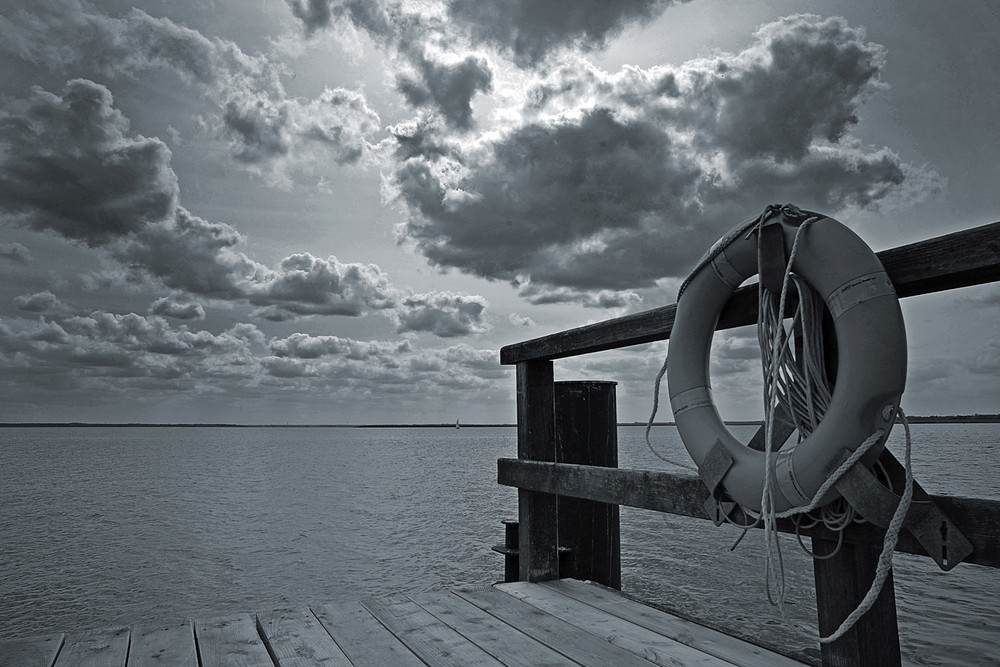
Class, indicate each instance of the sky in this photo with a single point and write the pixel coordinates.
(338, 211)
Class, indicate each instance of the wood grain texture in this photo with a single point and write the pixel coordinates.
(565, 638)
(698, 636)
(977, 519)
(431, 640)
(538, 557)
(30, 652)
(106, 647)
(363, 638)
(295, 638)
(165, 645)
(231, 641)
(643, 642)
(489, 633)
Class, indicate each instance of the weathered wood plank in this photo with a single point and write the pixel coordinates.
(652, 646)
(500, 640)
(586, 432)
(565, 638)
(842, 581)
(295, 638)
(231, 641)
(961, 259)
(363, 638)
(688, 632)
(30, 652)
(163, 645)
(976, 518)
(431, 640)
(538, 557)
(106, 647)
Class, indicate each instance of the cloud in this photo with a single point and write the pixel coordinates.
(448, 87)
(40, 302)
(987, 359)
(605, 181)
(382, 366)
(69, 166)
(530, 30)
(15, 252)
(115, 352)
(167, 307)
(442, 313)
(266, 130)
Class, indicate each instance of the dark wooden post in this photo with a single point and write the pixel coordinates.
(537, 514)
(841, 583)
(586, 430)
(843, 580)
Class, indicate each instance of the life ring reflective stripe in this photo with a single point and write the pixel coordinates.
(871, 364)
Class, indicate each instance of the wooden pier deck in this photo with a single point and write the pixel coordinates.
(563, 622)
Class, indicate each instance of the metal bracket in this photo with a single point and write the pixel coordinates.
(942, 540)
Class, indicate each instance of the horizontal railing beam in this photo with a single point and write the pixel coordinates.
(961, 259)
(977, 519)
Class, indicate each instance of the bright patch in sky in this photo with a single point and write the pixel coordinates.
(333, 211)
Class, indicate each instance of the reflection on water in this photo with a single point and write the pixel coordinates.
(122, 525)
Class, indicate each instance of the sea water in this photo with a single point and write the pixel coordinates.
(117, 526)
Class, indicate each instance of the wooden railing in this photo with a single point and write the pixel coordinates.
(559, 467)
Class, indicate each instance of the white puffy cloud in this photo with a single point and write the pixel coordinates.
(606, 179)
(178, 310)
(266, 129)
(381, 366)
(69, 165)
(40, 302)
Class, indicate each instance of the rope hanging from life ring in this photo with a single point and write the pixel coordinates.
(838, 425)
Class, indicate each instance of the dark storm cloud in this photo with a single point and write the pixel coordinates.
(449, 88)
(611, 175)
(266, 129)
(529, 30)
(68, 165)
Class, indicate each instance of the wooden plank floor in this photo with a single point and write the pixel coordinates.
(562, 622)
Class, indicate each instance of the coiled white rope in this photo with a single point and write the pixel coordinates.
(801, 387)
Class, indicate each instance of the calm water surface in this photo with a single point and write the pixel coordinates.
(117, 526)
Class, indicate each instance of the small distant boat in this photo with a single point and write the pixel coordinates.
(457, 425)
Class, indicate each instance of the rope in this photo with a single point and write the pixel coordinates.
(652, 416)
(802, 388)
(799, 384)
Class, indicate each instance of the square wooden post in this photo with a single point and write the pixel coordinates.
(537, 512)
(586, 430)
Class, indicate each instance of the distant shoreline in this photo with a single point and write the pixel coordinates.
(918, 419)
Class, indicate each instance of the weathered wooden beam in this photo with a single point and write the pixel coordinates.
(960, 259)
(586, 427)
(538, 557)
(978, 519)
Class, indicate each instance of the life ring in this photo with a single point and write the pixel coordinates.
(871, 364)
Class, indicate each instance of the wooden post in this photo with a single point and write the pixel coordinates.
(538, 558)
(841, 583)
(843, 580)
(586, 432)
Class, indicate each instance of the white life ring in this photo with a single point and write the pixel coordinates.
(871, 365)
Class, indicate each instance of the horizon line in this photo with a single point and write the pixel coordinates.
(966, 418)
